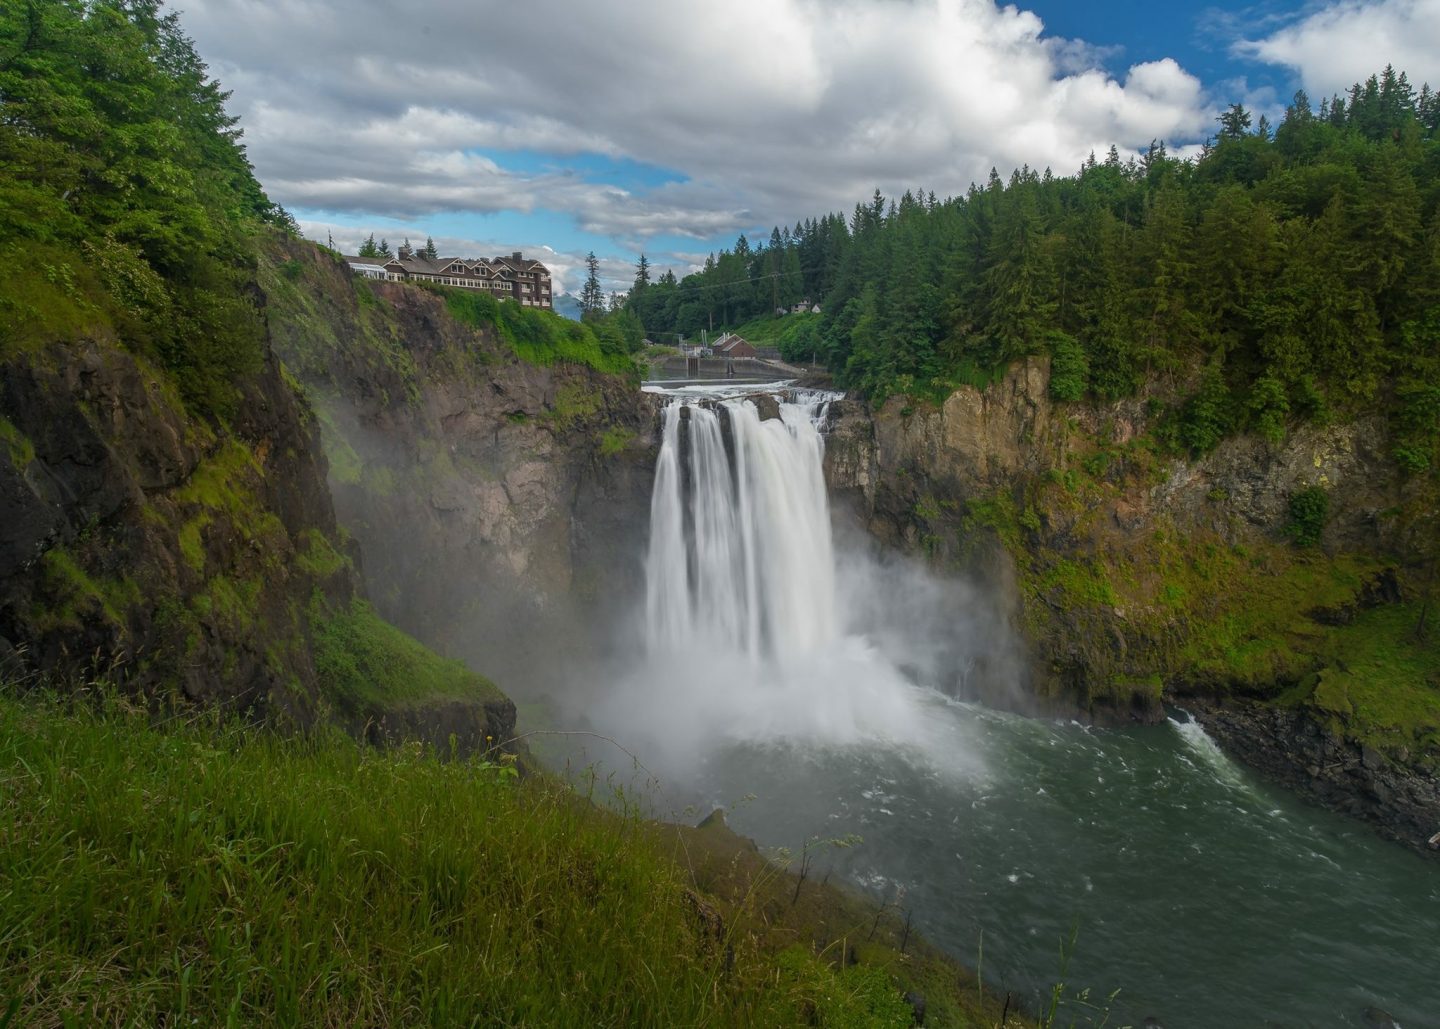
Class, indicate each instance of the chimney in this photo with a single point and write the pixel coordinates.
(517, 256)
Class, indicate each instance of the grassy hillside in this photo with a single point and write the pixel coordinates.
(221, 876)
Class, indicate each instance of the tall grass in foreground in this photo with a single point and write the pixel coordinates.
(209, 875)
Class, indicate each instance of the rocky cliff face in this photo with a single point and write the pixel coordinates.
(156, 550)
(198, 559)
(500, 506)
(1138, 576)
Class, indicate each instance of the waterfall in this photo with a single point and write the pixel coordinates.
(746, 635)
(741, 558)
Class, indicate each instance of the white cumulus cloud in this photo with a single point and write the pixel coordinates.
(765, 110)
(1343, 43)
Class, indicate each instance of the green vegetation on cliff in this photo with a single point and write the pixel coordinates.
(544, 337)
(1128, 599)
(364, 661)
(224, 876)
(127, 201)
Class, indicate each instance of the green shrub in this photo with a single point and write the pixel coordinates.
(541, 337)
(1206, 418)
(615, 439)
(1308, 511)
(1069, 368)
(1270, 405)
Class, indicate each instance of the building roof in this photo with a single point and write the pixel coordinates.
(729, 341)
(416, 264)
(365, 264)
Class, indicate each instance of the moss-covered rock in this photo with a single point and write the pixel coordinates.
(156, 546)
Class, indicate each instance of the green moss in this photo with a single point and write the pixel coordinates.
(223, 486)
(1079, 584)
(345, 464)
(1331, 695)
(21, 450)
(574, 401)
(192, 547)
(1387, 678)
(997, 512)
(232, 602)
(379, 479)
(77, 593)
(363, 661)
(615, 439)
(219, 482)
(318, 557)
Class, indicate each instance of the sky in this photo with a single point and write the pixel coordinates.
(669, 127)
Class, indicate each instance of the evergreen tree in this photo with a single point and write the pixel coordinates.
(429, 252)
(1234, 123)
(592, 296)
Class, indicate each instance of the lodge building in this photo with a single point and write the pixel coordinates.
(515, 278)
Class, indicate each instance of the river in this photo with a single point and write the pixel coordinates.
(1195, 893)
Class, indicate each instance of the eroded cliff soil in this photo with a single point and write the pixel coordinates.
(1139, 577)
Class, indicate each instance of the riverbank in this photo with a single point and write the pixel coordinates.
(1402, 802)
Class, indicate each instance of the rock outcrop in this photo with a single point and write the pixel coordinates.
(192, 558)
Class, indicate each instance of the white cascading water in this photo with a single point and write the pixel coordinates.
(744, 629)
(742, 561)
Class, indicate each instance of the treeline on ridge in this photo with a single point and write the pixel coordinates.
(1285, 273)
